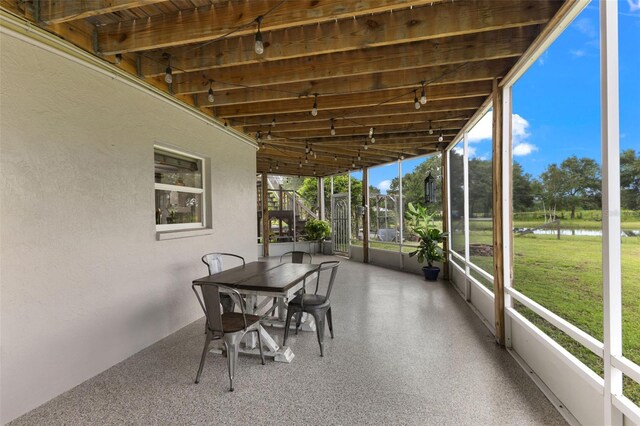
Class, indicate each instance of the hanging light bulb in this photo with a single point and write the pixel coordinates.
(335, 157)
(273, 122)
(300, 164)
(259, 44)
(402, 156)
(168, 77)
(118, 58)
(314, 110)
(314, 172)
(365, 146)
(310, 149)
(359, 158)
(423, 95)
(353, 164)
(277, 166)
(306, 148)
(430, 128)
(210, 92)
(306, 160)
(371, 130)
(270, 168)
(333, 128)
(269, 135)
(416, 102)
(373, 139)
(315, 155)
(441, 137)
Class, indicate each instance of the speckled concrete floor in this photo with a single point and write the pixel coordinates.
(406, 352)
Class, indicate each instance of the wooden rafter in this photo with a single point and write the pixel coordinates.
(59, 11)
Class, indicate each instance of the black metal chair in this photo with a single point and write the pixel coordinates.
(314, 304)
(229, 326)
(297, 256)
(214, 263)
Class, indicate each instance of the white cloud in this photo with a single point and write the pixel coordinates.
(519, 128)
(523, 148)
(384, 185)
(482, 130)
(586, 27)
(577, 53)
(634, 6)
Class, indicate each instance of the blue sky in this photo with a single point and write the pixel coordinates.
(556, 103)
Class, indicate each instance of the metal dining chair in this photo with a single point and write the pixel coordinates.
(231, 327)
(214, 263)
(317, 305)
(297, 256)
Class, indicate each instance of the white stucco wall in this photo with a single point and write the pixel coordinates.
(84, 282)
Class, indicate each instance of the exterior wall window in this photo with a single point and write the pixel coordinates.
(179, 190)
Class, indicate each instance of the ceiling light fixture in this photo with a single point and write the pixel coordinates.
(210, 97)
(416, 102)
(314, 110)
(259, 44)
(423, 95)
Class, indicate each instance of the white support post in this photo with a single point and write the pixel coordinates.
(465, 174)
(293, 209)
(448, 201)
(321, 209)
(507, 206)
(401, 213)
(611, 250)
(350, 207)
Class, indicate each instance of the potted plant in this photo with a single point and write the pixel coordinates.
(317, 230)
(422, 224)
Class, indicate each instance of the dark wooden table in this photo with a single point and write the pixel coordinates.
(266, 280)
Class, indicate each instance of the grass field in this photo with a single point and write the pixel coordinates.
(565, 276)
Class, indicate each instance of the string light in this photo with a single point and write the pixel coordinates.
(306, 148)
(258, 136)
(168, 73)
(353, 163)
(273, 122)
(365, 146)
(371, 130)
(300, 164)
(269, 135)
(333, 128)
(430, 128)
(416, 102)
(314, 172)
(314, 110)
(335, 157)
(118, 58)
(306, 160)
(423, 95)
(210, 93)
(259, 44)
(441, 137)
(359, 158)
(310, 149)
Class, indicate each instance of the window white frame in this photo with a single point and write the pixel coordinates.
(184, 189)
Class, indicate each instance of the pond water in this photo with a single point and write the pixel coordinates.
(578, 232)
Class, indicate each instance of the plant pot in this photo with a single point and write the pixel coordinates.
(430, 273)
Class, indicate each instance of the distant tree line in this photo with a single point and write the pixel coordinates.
(574, 184)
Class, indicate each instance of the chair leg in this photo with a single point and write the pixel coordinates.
(330, 322)
(204, 355)
(232, 343)
(287, 324)
(260, 343)
(298, 321)
(319, 317)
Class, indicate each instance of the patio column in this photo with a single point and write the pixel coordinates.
(445, 211)
(498, 219)
(265, 216)
(365, 216)
(321, 198)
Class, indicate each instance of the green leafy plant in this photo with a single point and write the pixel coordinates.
(317, 230)
(421, 222)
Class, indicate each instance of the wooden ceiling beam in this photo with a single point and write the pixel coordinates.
(408, 25)
(364, 131)
(454, 50)
(366, 122)
(470, 71)
(218, 20)
(356, 100)
(358, 114)
(59, 11)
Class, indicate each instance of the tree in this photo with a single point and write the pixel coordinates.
(630, 180)
(576, 183)
(522, 189)
(480, 190)
(413, 183)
